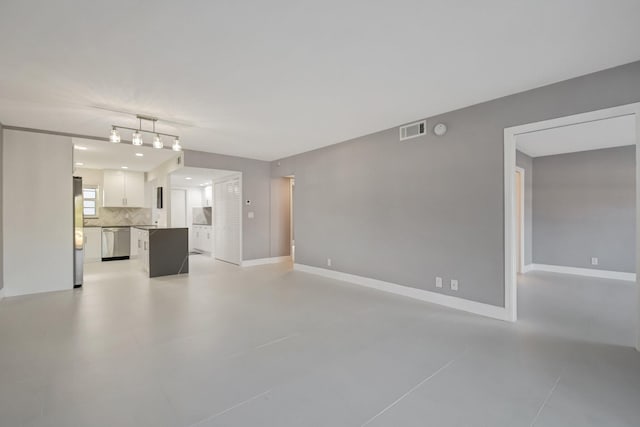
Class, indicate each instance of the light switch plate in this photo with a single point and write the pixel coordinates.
(328, 262)
(454, 285)
(594, 261)
(438, 282)
(250, 215)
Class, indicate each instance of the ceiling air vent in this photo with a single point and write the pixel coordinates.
(413, 130)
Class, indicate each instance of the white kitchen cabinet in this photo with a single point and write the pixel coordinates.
(135, 242)
(195, 236)
(113, 189)
(207, 200)
(209, 239)
(143, 251)
(92, 244)
(134, 189)
(123, 189)
(196, 198)
(202, 236)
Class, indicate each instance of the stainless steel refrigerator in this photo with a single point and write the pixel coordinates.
(78, 232)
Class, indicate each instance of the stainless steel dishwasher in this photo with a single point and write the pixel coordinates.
(116, 243)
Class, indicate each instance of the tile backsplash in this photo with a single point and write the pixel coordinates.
(120, 216)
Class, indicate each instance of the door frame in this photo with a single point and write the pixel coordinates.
(522, 172)
(510, 255)
(292, 240)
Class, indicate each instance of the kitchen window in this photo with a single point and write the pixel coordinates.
(90, 203)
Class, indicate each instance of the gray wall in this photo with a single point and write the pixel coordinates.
(407, 212)
(526, 163)
(256, 186)
(584, 206)
(1, 225)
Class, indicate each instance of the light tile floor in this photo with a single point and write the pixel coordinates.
(264, 346)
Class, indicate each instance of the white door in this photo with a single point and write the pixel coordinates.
(178, 208)
(227, 221)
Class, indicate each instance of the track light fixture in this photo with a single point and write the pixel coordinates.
(136, 136)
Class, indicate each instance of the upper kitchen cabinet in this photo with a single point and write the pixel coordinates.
(123, 189)
(208, 196)
(113, 189)
(134, 189)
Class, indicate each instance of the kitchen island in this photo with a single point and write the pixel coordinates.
(163, 251)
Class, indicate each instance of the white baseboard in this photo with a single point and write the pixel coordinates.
(263, 261)
(589, 272)
(15, 291)
(527, 268)
(457, 303)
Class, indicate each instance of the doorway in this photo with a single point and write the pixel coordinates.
(197, 187)
(514, 195)
(519, 187)
(292, 246)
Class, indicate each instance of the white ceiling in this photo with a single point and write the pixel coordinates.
(266, 79)
(198, 176)
(105, 155)
(595, 135)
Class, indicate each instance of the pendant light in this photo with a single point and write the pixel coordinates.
(136, 138)
(115, 136)
(176, 145)
(157, 142)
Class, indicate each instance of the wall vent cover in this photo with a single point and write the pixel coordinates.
(413, 130)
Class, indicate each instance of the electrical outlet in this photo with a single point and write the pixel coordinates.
(594, 261)
(438, 282)
(328, 262)
(454, 285)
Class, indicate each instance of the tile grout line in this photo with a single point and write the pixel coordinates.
(277, 340)
(237, 405)
(553, 388)
(544, 402)
(411, 390)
